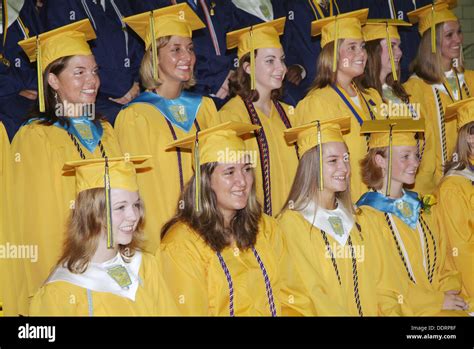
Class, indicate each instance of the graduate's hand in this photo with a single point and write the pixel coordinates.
(30, 94)
(293, 74)
(454, 302)
(129, 96)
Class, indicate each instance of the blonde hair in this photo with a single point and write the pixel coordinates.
(85, 225)
(305, 187)
(146, 67)
(428, 65)
(209, 223)
(325, 76)
(463, 154)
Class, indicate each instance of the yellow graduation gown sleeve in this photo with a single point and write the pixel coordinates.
(197, 280)
(42, 197)
(62, 298)
(4, 169)
(311, 286)
(325, 103)
(455, 215)
(142, 129)
(430, 170)
(283, 157)
(424, 298)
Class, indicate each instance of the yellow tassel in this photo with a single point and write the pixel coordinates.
(154, 50)
(389, 177)
(108, 206)
(336, 34)
(390, 53)
(321, 185)
(197, 175)
(433, 30)
(252, 62)
(5, 21)
(39, 64)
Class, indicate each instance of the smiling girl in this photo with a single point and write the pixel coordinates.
(165, 111)
(336, 90)
(220, 254)
(64, 127)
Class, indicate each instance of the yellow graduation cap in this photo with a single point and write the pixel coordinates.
(69, 40)
(221, 143)
(464, 110)
(343, 26)
(249, 39)
(315, 133)
(179, 20)
(376, 29)
(428, 16)
(387, 133)
(117, 172)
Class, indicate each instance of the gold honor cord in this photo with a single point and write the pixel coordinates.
(154, 50)
(108, 208)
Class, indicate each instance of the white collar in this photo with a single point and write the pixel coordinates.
(97, 278)
(256, 8)
(13, 8)
(328, 220)
(464, 173)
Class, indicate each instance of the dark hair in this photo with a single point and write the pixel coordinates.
(209, 223)
(371, 77)
(239, 83)
(49, 117)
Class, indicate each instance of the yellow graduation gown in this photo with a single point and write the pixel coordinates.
(455, 215)
(283, 157)
(430, 171)
(326, 103)
(4, 168)
(424, 298)
(42, 197)
(61, 298)
(197, 280)
(311, 286)
(143, 129)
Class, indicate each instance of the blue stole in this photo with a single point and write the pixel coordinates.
(407, 208)
(351, 106)
(181, 111)
(85, 130)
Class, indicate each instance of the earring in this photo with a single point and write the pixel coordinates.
(56, 97)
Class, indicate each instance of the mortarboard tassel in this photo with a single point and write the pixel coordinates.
(39, 65)
(252, 62)
(154, 50)
(5, 20)
(321, 184)
(197, 175)
(336, 35)
(433, 30)
(108, 208)
(389, 177)
(390, 54)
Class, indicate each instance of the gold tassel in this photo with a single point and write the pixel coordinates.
(39, 64)
(390, 54)
(197, 175)
(154, 50)
(321, 185)
(433, 30)
(108, 208)
(389, 177)
(252, 62)
(336, 34)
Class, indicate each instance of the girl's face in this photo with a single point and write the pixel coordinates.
(125, 214)
(404, 164)
(336, 167)
(385, 57)
(451, 40)
(176, 59)
(352, 58)
(270, 69)
(232, 184)
(79, 82)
